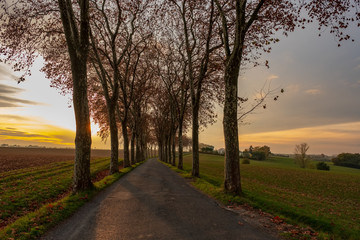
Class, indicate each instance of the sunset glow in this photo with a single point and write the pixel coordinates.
(329, 139)
(32, 131)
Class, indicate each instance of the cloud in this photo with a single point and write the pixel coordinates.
(8, 99)
(272, 77)
(15, 102)
(13, 132)
(313, 91)
(8, 89)
(5, 73)
(13, 118)
(8, 94)
(8, 105)
(35, 132)
(292, 88)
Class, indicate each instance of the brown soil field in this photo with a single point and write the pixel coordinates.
(13, 158)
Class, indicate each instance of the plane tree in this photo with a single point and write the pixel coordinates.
(335, 16)
(118, 33)
(30, 29)
(196, 23)
(160, 111)
(142, 99)
(171, 71)
(249, 28)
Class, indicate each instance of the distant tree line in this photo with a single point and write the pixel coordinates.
(259, 153)
(351, 160)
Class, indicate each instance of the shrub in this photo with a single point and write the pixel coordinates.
(258, 156)
(322, 166)
(245, 161)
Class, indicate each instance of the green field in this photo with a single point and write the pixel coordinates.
(328, 201)
(25, 190)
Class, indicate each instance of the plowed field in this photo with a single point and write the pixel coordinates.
(13, 158)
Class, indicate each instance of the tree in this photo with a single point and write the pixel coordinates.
(246, 28)
(160, 121)
(117, 43)
(201, 42)
(258, 155)
(300, 154)
(143, 93)
(347, 160)
(245, 108)
(30, 29)
(336, 16)
(77, 38)
(265, 149)
(171, 69)
(206, 148)
(251, 149)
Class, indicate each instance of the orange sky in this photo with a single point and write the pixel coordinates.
(26, 131)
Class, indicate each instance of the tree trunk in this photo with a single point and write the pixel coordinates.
(114, 162)
(165, 151)
(126, 144)
(180, 163)
(82, 179)
(138, 149)
(160, 151)
(231, 169)
(133, 148)
(195, 140)
(173, 150)
(78, 49)
(146, 150)
(169, 148)
(143, 149)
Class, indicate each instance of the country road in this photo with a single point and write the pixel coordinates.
(153, 202)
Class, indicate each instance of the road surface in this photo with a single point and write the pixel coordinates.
(153, 202)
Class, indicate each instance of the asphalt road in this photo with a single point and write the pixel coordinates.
(153, 202)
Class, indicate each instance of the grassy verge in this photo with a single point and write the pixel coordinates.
(329, 202)
(34, 224)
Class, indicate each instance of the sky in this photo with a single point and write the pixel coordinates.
(321, 102)
(33, 113)
(320, 105)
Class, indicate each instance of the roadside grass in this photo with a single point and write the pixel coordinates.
(329, 202)
(40, 198)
